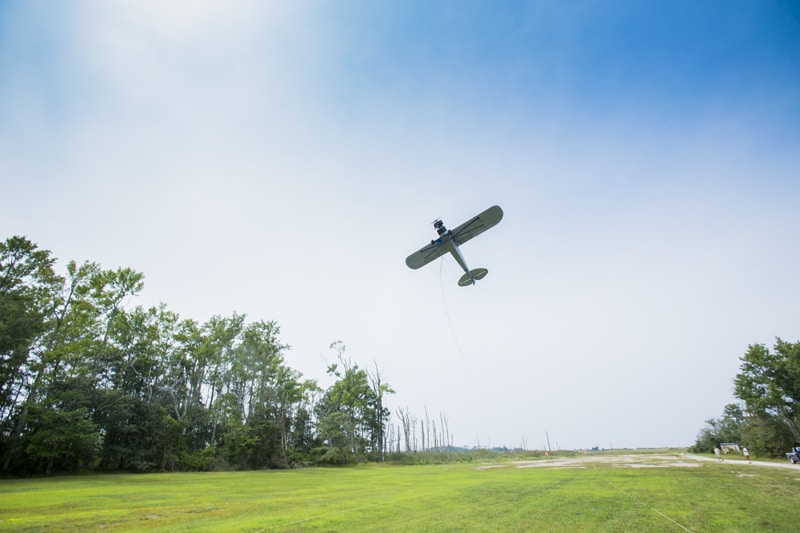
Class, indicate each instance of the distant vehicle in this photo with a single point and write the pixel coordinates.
(449, 241)
(794, 455)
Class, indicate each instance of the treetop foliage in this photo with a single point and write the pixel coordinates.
(768, 385)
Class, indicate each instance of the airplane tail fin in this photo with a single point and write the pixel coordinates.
(472, 276)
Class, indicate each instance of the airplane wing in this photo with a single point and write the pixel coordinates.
(425, 255)
(477, 225)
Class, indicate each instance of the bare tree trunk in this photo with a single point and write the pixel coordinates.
(284, 436)
(413, 426)
(405, 420)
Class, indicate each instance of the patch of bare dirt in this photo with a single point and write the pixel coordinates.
(634, 460)
(621, 461)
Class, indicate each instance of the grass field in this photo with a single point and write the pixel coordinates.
(607, 493)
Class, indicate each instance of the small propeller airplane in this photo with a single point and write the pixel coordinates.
(450, 240)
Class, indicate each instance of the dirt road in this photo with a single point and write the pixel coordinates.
(638, 460)
(738, 462)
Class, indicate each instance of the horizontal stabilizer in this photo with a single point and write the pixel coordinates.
(473, 276)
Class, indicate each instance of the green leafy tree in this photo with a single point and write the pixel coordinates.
(184, 393)
(767, 435)
(142, 358)
(769, 383)
(351, 416)
(257, 372)
(28, 284)
(61, 435)
(302, 438)
(63, 352)
(66, 364)
(727, 428)
(221, 336)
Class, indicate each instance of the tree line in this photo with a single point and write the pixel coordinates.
(767, 418)
(88, 383)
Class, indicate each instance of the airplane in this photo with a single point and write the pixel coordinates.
(450, 240)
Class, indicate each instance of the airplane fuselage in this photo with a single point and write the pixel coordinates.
(448, 241)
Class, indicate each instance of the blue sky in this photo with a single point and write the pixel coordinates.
(282, 159)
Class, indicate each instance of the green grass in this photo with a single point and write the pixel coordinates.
(456, 497)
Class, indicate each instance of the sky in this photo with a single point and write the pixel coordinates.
(281, 159)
